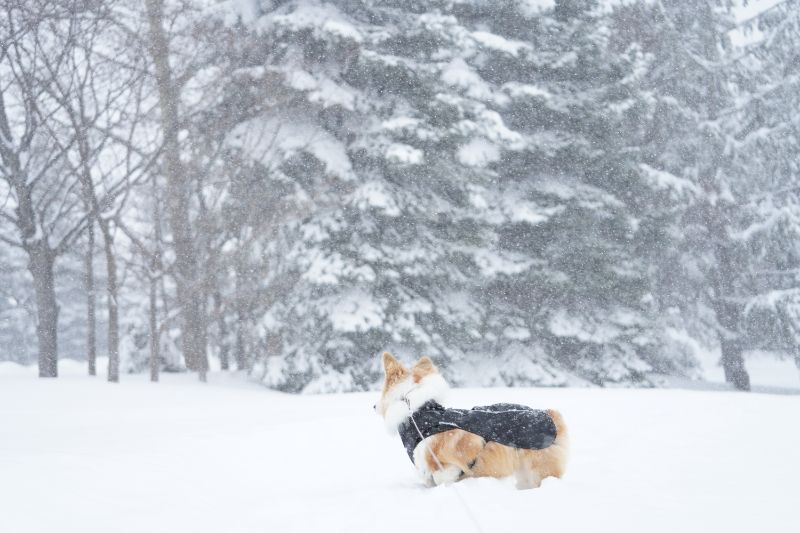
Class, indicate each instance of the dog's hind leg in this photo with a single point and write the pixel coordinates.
(527, 478)
(433, 470)
(433, 473)
(447, 457)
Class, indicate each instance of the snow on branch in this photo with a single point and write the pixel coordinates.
(678, 189)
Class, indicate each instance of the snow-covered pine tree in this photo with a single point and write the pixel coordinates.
(373, 215)
(685, 154)
(576, 102)
(706, 151)
(456, 189)
(766, 145)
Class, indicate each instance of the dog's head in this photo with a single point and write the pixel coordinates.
(407, 389)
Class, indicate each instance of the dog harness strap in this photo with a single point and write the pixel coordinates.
(427, 420)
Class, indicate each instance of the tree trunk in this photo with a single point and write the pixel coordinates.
(155, 282)
(222, 327)
(40, 265)
(733, 364)
(718, 219)
(241, 360)
(728, 312)
(154, 332)
(40, 256)
(731, 341)
(91, 306)
(239, 287)
(96, 215)
(224, 350)
(113, 309)
(190, 301)
(193, 335)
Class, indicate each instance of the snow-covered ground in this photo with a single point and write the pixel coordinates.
(79, 454)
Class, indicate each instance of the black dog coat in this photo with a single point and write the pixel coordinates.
(516, 426)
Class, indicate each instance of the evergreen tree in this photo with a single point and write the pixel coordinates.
(766, 145)
(706, 151)
(465, 195)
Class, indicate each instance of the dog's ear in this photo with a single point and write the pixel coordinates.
(394, 369)
(389, 361)
(425, 365)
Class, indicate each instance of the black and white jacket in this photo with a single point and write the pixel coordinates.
(415, 411)
(517, 426)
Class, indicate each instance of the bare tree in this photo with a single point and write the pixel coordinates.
(91, 300)
(178, 195)
(151, 270)
(103, 109)
(43, 208)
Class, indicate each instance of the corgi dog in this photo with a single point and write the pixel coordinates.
(448, 445)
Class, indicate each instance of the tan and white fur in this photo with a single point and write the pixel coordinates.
(457, 454)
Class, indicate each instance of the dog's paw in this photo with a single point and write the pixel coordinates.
(527, 479)
(448, 474)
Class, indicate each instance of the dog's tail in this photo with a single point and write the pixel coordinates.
(562, 436)
(560, 446)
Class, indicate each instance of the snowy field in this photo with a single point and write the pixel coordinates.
(78, 454)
